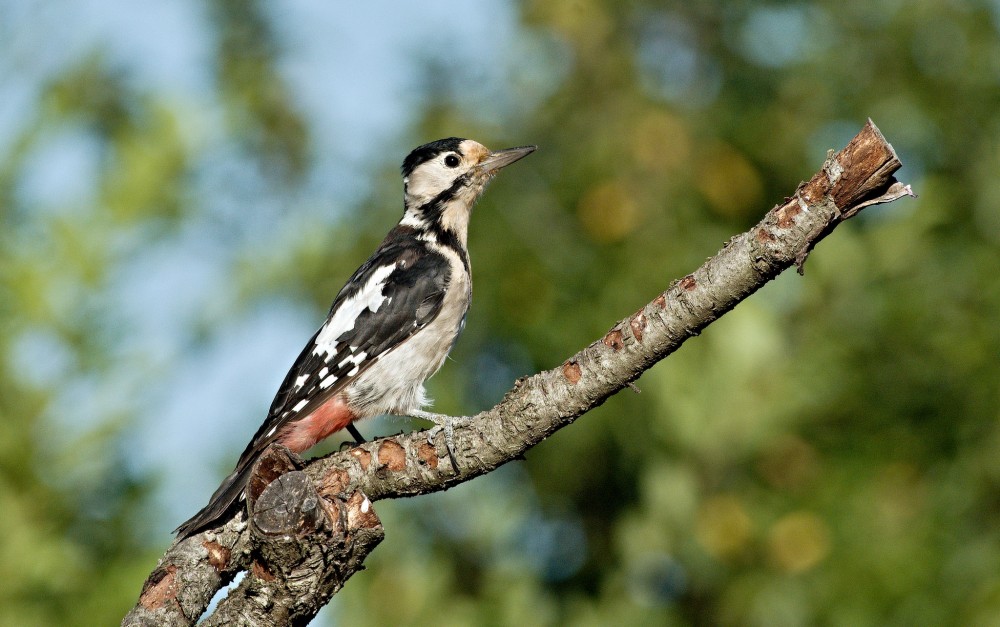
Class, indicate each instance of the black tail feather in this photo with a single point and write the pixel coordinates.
(222, 504)
(226, 498)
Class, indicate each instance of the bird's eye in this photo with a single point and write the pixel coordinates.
(451, 161)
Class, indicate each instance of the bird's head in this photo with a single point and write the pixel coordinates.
(443, 179)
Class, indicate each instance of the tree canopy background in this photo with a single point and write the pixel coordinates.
(184, 186)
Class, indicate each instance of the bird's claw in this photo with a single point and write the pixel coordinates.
(447, 425)
(449, 441)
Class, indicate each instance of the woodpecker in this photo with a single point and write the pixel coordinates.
(390, 327)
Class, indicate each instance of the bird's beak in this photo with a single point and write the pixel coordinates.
(501, 158)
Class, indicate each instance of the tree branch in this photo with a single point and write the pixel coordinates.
(299, 554)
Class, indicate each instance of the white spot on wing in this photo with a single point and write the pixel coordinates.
(300, 381)
(327, 382)
(300, 405)
(325, 371)
(356, 359)
(343, 319)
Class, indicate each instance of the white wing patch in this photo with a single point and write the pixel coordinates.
(357, 359)
(300, 381)
(369, 297)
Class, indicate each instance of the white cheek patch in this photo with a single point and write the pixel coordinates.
(343, 320)
(429, 180)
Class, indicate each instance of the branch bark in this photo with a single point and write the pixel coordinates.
(312, 528)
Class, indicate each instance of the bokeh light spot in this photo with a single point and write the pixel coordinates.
(607, 212)
(723, 526)
(728, 180)
(660, 142)
(798, 542)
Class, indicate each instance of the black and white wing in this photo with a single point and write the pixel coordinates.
(396, 293)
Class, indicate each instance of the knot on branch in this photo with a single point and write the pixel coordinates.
(289, 506)
(286, 506)
(304, 545)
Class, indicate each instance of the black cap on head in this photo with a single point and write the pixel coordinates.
(427, 152)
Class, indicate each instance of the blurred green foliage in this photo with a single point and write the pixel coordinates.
(825, 454)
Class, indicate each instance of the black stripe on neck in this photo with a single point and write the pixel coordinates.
(431, 211)
(433, 208)
(449, 239)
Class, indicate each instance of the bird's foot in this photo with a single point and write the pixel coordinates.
(358, 438)
(442, 423)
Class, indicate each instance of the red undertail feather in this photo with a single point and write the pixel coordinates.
(330, 417)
